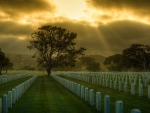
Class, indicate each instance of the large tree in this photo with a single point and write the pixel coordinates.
(55, 47)
(138, 56)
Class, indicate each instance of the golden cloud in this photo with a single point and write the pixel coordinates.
(15, 8)
(136, 10)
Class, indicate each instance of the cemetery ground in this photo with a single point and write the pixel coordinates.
(4, 88)
(129, 101)
(48, 96)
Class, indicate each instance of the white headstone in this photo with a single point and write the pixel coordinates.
(75, 88)
(106, 104)
(16, 92)
(119, 107)
(82, 92)
(140, 90)
(86, 94)
(5, 104)
(78, 90)
(133, 89)
(135, 81)
(125, 87)
(146, 82)
(91, 97)
(9, 99)
(115, 85)
(98, 101)
(135, 111)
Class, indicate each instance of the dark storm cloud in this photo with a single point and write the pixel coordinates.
(15, 7)
(108, 39)
(141, 7)
(13, 28)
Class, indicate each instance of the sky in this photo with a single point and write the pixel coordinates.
(103, 27)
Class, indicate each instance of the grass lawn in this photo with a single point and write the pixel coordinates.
(47, 96)
(129, 101)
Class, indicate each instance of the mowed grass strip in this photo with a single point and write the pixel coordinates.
(4, 88)
(129, 101)
(48, 96)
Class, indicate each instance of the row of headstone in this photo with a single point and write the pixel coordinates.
(98, 80)
(108, 83)
(11, 78)
(120, 87)
(9, 99)
(88, 96)
(106, 75)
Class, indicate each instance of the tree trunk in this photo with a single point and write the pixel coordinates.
(49, 71)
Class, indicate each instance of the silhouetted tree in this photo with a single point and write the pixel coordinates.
(137, 56)
(54, 47)
(2, 58)
(8, 66)
(114, 62)
(4, 62)
(90, 63)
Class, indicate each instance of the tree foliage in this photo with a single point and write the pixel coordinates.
(90, 63)
(4, 62)
(113, 63)
(137, 56)
(54, 47)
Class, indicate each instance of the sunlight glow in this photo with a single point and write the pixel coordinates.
(22, 38)
(77, 10)
(73, 10)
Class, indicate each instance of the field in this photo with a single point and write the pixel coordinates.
(46, 95)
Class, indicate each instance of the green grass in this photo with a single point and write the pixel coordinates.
(129, 101)
(47, 96)
(4, 88)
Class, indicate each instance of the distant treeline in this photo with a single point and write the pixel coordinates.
(5, 63)
(135, 58)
